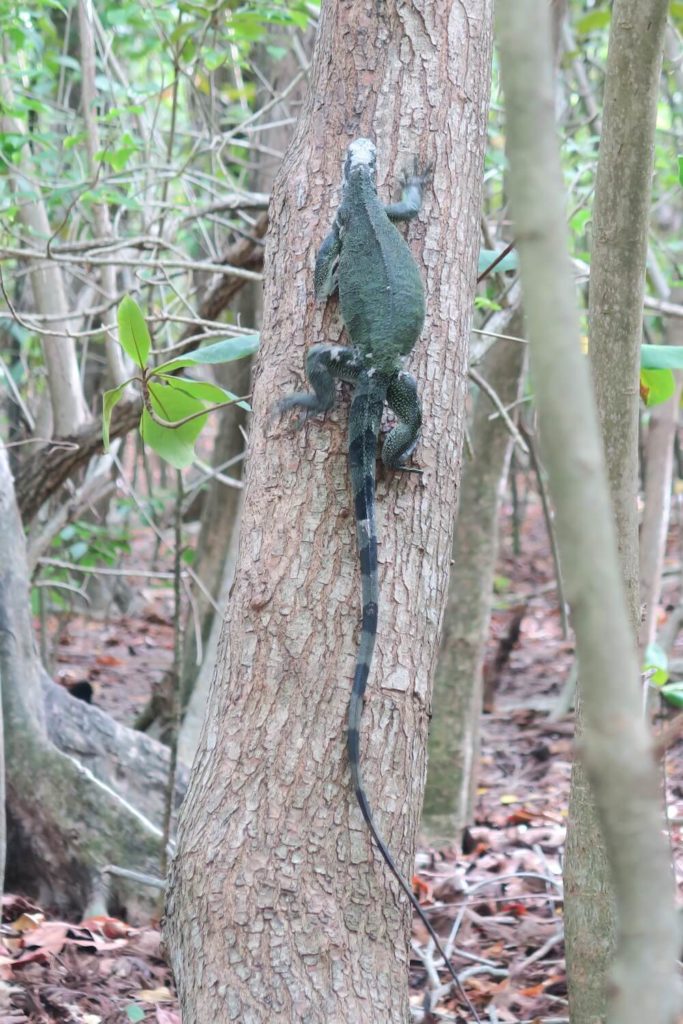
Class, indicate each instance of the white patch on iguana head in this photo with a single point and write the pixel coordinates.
(362, 153)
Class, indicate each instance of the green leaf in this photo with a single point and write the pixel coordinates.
(78, 550)
(109, 400)
(592, 21)
(673, 694)
(135, 1013)
(680, 162)
(655, 658)
(174, 444)
(656, 386)
(661, 357)
(73, 140)
(220, 352)
(487, 257)
(133, 333)
(204, 390)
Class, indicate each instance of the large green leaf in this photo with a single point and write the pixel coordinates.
(656, 661)
(133, 333)
(661, 357)
(656, 386)
(489, 256)
(592, 21)
(673, 693)
(219, 352)
(204, 390)
(172, 403)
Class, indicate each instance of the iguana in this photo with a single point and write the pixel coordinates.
(382, 303)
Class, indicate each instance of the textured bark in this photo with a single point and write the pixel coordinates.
(617, 748)
(621, 214)
(220, 516)
(279, 907)
(454, 732)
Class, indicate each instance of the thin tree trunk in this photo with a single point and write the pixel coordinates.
(280, 908)
(69, 410)
(620, 223)
(617, 748)
(454, 732)
(659, 458)
(103, 230)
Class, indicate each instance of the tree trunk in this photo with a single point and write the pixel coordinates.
(617, 749)
(220, 513)
(64, 823)
(128, 761)
(620, 223)
(659, 458)
(69, 410)
(280, 908)
(454, 732)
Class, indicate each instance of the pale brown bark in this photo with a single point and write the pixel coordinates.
(279, 907)
(617, 749)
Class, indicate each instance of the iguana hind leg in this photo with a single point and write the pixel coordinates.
(324, 365)
(403, 400)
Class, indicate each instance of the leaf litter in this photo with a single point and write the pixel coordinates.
(496, 899)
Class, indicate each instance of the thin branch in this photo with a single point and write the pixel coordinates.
(548, 517)
(477, 379)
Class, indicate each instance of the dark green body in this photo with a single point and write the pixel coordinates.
(383, 311)
(382, 305)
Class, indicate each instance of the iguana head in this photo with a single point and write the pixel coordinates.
(360, 156)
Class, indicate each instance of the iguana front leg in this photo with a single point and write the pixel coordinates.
(326, 275)
(404, 402)
(324, 365)
(411, 195)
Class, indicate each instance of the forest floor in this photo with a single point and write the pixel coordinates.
(498, 899)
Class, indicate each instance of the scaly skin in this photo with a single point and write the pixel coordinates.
(382, 305)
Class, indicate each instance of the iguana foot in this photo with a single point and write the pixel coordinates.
(417, 178)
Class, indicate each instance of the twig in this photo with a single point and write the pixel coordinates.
(206, 266)
(495, 398)
(101, 571)
(554, 940)
(547, 515)
(175, 709)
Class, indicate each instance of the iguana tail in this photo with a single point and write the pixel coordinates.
(364, 423)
